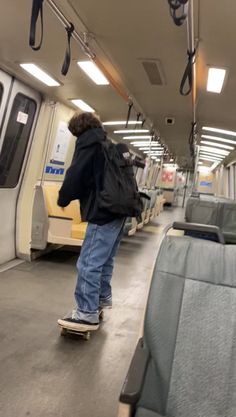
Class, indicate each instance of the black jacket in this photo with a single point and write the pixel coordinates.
(83, 180)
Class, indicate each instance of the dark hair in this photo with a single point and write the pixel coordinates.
(81, 122)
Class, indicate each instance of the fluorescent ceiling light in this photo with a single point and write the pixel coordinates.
(82, 105)
(214, 150)
(233, 142)
(131, 122)
(137, 137)
(149, 147)
(215, 80)
(214, 165)
(204, 169)
(200, 163)
(131, 131)
(153, 153)
(216, 130)
(218, 145)
(93, 72)
(146, 148)
(212, 154)
(208, 158)
(220, 158)
(146, 143)
(40, 75)
(160, 151)
(156, 159)
(154, 150)
(171, 165)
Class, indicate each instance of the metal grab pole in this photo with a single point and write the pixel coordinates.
(195, 170)
(185, 188)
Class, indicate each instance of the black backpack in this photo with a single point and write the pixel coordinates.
(119, 194)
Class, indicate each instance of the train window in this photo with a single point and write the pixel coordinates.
(1, 92)
(16, 140)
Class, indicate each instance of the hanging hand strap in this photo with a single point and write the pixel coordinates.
(128, 114)
(137, 120)
(188, 75)
(178, 6)
(37, 9)
(67, 59)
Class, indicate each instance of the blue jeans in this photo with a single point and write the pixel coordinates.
(95, 266)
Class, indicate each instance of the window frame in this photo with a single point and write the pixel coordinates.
(24, 155)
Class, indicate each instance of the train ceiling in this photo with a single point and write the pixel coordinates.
(132, 39)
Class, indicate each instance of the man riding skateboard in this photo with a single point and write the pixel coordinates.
(83, 181)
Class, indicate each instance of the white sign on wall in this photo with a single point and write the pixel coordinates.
(61, 144)
(22, 117)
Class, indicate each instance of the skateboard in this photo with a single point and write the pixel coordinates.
(86, 334)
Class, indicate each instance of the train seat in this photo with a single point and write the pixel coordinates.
(130, 226)
(184, 366)
(213, 211)
(76, 228)
(51, 195)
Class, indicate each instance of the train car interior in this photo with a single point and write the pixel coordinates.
(159, 76)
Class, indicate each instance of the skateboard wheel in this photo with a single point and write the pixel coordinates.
(87, 336)
(101, 315)
(63, 332)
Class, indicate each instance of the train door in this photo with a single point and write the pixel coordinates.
(19, 107)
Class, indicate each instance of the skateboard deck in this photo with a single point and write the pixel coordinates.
(85, 334)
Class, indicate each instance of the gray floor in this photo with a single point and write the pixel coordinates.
(45, 375)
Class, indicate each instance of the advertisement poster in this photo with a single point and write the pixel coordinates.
(168, 177)
(206, 183)
(61, 144)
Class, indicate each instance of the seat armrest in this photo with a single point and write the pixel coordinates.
(204, 229)
(132, 388)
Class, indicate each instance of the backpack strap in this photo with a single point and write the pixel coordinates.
(121, 161)
(37, 9)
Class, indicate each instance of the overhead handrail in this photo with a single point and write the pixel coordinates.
(37, 10)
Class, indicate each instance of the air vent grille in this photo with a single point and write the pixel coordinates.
(153, 72)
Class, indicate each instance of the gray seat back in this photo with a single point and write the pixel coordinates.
(201, 211)
(190, 330)
(227, 220)
(220, 212)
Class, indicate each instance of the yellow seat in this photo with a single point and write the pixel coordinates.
(79, 230)
(72, 211)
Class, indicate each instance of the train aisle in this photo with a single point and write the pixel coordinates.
(45, 375)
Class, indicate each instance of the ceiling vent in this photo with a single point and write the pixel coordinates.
(154, 71)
